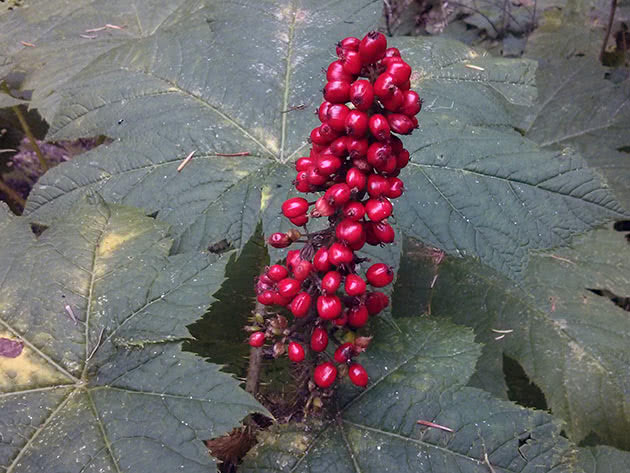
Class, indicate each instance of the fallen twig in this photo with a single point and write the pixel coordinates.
(231, 155)
(434, 425)
(186, 160)
(25, 43)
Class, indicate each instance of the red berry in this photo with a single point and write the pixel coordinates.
(356, 179)
(319, 339)
(358, 316)
(280, 300)
(349, 231)
(337, 91)
(279, 240)
(339, 147)
(379, 127)
(327, 165)
(394, 101)
(328, 307)
(411, 103)
(300, 304)
(354, 285)
(336, 116)
(293, 259)
(288, 287)
(372, 47)
(392, 52)
(265, 298)
(257, 339)
(277, 272)
(327, 132)
(354, 210)
(344, 352)
(400, 71)
(314, 178)
(377, 185)
(336, 72)
(378, 275)
(322, 112)
(331, 282)
(299, 220)
(348, 44)
(357, 123)
(357, 147)
(378, 209)
(362, 95)
(303, 163)
(338, 194)
(358, 375)
(351, 62)
(339, 254)
(402, 159)
(357, 245)
(384, 86)
(383, 232)
(323, 208)
(301, 182)
(396, 187)
(294, 207)
(302, 270)
(378, 153)
(325, 375)
(295, 352)
(400, 123)
(320, 260)
(376, 302)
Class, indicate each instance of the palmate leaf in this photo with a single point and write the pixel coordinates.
(223, 81)
(566, 331)
(417, 374)
(578, 106)
(100, 307)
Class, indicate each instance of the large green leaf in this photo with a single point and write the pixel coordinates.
(578, 106)
(603, 459)
(101, 383)
(572, 342)
(220, 81)
(417, 374)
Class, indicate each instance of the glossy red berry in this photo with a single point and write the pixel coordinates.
(353, 210)
(265, 298)
(336, 72)
(348, 44)
(378, 209)
(338, 194)
(279, 240)
(280, 300)
(392, 52)
(372, 47)
(383, 232)
(300, 304)
(411, 103)
(344, 352)
(325, 375)
(295, 352)
(356, 179)
(277, 272)
(302, 270)
(322, 111)
(339, 254)
(257, 339)
(400, 71)
(331, 282)
(357, 147)
(328, 307)
(349, 231)
(358, 316)
(358, 375)
(294, 207)
(362, 95)
(402, 159)
(303, 163)
(384, 86)
(400, 123)
(379, 275)
(378, 153)
(396, 188)
(376, 302)
(356, 123)
(319, 339)
(379, 127)
(337, 91)
(288, 287)
(336, 116)
(320, 260)
(351, 62)
(377, 185)
(354, 285)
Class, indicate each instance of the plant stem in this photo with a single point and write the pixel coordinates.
(255, 360)
(12, 194)
(31, 138)
(611, 17)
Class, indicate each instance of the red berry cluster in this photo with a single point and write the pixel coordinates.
(354, 160)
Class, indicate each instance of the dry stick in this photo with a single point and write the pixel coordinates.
(31, 138)
(12, 194)
(611, 17)
(255, 360)
(231, 155)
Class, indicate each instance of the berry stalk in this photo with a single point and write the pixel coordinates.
(352, 168)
